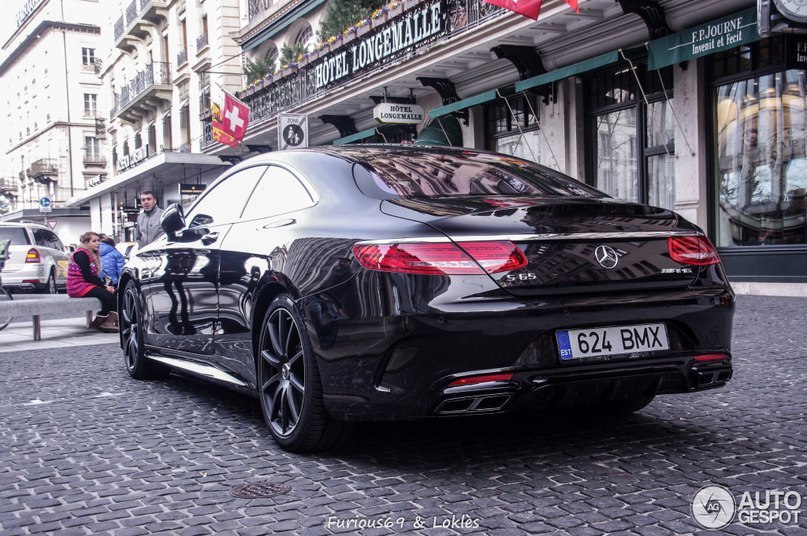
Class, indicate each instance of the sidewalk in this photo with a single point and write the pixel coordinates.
(56, 333)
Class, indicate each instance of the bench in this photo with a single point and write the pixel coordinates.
(50, 305)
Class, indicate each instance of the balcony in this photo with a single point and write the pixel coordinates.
(182, 58)
(9, 186)
(91, 160)
(154, 11)
(134, 24)
(201, 43)
(44, 170)
(150, 88)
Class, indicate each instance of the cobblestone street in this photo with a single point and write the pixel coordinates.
(87, 450)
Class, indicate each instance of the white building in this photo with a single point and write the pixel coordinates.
(52, 99)
(163, 61)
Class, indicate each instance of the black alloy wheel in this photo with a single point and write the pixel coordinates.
(138, 365)
(289, 385)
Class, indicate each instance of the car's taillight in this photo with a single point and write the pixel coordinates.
(32, 256)
(443, 258)
(694, 250)
(712, 357)
(484, 378)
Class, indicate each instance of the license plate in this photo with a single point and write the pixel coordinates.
(609, 341)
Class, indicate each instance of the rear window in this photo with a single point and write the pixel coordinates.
(17, 235)
(426, 175)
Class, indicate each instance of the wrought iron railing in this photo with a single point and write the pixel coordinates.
(297, 86)
(131, 12)
(182, 57)
(156, 73)
(201, 42)
(43, 166)
(258, 7)
(118, 28)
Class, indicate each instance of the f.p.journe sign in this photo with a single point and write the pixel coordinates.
(400, 34)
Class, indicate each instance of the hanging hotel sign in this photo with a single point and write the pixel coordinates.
(398, 35)
(401, 114)
(721, 34)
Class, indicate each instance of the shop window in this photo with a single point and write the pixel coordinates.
(761, 154)
(633, 145)
(513, 127)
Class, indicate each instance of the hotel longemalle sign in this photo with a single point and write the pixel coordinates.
(399, 35)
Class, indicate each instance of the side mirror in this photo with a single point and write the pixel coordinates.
(172, 219)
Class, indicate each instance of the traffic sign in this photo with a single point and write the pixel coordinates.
(45, 204)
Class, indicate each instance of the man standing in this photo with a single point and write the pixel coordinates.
(148, 221)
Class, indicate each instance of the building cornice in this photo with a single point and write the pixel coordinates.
(43, 28)
(88, 123)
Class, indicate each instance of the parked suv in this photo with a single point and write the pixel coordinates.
(38, 258)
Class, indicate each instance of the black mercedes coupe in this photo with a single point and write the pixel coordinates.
(356, 283)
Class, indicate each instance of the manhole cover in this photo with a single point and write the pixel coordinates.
(259, 490)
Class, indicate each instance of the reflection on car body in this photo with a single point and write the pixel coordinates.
(341, 284)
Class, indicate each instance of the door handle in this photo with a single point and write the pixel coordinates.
(209, 238)
(281, 223)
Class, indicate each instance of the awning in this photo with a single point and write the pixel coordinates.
(481, 98)
(363, 135)
(279, 26)
(168, 167)
(570, 70)
(720, 34)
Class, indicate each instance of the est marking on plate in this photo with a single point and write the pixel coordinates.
(614, 340)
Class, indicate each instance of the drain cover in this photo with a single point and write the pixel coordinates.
(259, 490)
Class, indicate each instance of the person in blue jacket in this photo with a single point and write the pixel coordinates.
(112, 260)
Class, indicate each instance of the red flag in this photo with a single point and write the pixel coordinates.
(528, 8)
(220, 134)
(222, 137)
(234, 117)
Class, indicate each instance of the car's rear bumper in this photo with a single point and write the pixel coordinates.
(28, 277)
(401, 367)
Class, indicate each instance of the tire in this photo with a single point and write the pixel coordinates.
(5, 296)
(289, 385)
(50, 285)
(130, 320)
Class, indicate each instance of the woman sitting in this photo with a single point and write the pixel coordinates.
(112, 261)
(83, 282)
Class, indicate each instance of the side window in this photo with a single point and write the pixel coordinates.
(41, 238)
(54, 241)
(278, 192)
(224, 202)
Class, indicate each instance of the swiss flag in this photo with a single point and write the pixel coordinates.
(234, 117)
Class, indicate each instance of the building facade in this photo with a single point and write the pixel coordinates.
(164, 60)
(676, 103)
(54, 144)
(682, 104)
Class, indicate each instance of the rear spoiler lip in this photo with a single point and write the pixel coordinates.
(535, 237)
